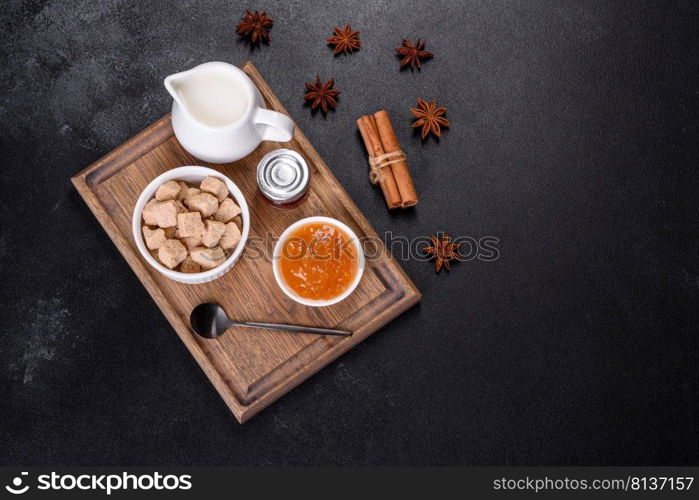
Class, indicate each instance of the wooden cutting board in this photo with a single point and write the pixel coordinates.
(249, 368)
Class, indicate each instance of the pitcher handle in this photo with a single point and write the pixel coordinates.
(278, 127)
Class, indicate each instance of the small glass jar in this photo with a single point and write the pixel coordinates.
(283, 177)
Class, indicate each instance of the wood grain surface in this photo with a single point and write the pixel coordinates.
(249, 368)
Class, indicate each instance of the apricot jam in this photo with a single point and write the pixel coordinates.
(318, 261)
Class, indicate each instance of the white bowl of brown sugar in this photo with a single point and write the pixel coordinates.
(191, 224)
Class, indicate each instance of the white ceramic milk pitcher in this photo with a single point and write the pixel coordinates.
(218, 114)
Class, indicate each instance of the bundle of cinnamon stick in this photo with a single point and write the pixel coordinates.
(387, 161)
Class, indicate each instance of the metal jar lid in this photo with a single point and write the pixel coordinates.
(283, 176)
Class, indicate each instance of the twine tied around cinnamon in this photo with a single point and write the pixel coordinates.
(378, 163)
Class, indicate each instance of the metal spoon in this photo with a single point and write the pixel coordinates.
(210, 321)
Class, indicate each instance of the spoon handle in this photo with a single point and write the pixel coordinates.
(293, 328)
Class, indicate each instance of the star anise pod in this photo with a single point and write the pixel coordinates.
(429, 117)
(345, 40)
(321, 94)
(255, 27)
(443, 251)
(413, 54)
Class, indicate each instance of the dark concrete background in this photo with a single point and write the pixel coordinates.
(574, 141)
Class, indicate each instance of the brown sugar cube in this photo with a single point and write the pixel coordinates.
(170, 232)
(191, 191)
(208, 258)
(183, 190)
(213, 232)
(189, 266)
(167, 191)
(165, 213)
(171, 253)
(189, 224)
(154, 238)
(191, 242)
(149, 214)
(180, 207)
(231, 236)
(214, 186)
(204, 203)
(227, 210)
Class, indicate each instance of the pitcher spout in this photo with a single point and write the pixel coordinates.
(173, 84)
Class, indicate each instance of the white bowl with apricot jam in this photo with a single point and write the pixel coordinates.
(318, 261)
